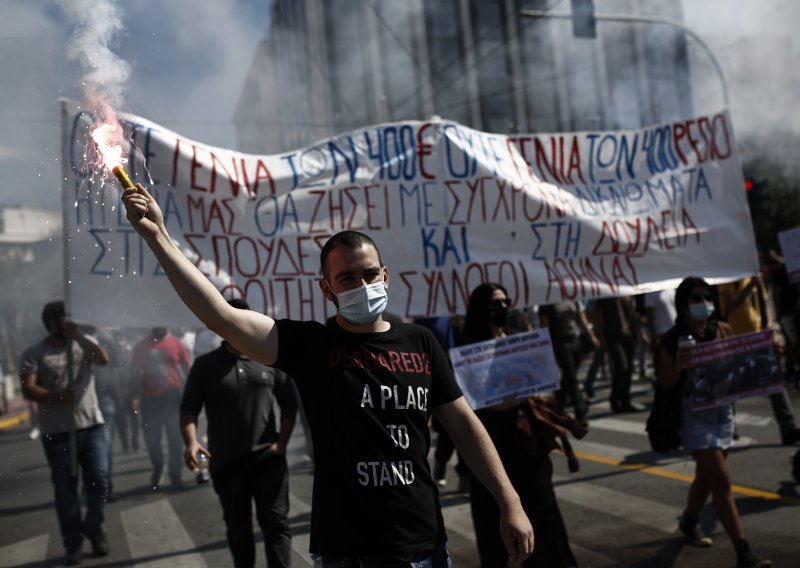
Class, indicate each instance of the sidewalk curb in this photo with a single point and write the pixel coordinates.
(12, 421)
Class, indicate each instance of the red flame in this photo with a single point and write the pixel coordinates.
(108, 138)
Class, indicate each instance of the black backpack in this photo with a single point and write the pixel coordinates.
(665, 420)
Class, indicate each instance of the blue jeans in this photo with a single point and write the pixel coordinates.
(437, 558)
(93, 461)
(109, 409)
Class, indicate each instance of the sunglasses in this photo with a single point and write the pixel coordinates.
(500, 303)
(696, 298)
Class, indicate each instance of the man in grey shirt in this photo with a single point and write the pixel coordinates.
(247, 451)
(45, 379)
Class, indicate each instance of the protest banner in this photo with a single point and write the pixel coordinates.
(790, 249)
(552, 217)
(727, 370)
(512, 367)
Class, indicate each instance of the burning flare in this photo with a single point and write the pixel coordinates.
(107, 137)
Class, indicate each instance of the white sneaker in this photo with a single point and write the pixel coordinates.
(34, 434)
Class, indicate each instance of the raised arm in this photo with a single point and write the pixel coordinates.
(250, 332)
(476, 447)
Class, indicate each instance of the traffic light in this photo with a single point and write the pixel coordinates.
(583, 20)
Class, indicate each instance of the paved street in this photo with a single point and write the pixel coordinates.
(620, 509)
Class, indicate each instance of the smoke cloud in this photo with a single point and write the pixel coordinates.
(96, 23)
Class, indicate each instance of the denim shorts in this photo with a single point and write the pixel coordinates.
(436, 558)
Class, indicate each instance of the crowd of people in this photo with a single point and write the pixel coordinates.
(376, 499)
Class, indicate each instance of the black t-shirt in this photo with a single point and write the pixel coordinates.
(562, 321)
(239, 396)
(368, 397)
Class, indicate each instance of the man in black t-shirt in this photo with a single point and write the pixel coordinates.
(368, 388)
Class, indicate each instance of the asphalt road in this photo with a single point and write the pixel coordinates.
(620, 509)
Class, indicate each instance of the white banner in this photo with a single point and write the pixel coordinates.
(551, 217)
(513, 367)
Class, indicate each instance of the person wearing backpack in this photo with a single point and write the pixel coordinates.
(708, 433)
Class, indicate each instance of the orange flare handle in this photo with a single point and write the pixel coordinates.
(122, 177)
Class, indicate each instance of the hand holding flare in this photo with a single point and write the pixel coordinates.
(122, 177)
(137, 200)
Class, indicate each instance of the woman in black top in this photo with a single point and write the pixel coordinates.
(531, 474)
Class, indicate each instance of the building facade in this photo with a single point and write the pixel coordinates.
(31, 274)
(329, 66)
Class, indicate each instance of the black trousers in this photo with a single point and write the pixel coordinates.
(159, 417)
(532, 477)
(620, 358)
(568, 357)
(264, 479)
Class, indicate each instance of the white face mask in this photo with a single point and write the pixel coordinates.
(363, 304)
(701, 311)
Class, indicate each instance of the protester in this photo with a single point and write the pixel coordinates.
(599, 362)
(374, 495)
(786, 299)
(107, 383)
(128, 426)
(744, 306)
(618, 325)
(160, 363)
(566, 322)
(660, 316)
(447, 330)
(247, 450)
(45, 375)
(128, 423)
(531, 472)
(706, 434)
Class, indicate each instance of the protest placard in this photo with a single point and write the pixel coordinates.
(790, 249)
(727, 370)
(551, 217)
(508, 368)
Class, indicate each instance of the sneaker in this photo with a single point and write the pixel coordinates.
(692, 532)
(99, 544)
(73, 557)
(34, 433)
(746, 559)
(439, 469)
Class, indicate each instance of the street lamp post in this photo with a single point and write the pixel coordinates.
(646, 19)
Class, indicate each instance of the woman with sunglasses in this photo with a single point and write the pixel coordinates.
(706, 434)
(531, 474)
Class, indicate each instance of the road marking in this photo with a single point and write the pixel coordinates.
(14, 420)
(29, 552)
(157, 538)
(752, 419)
(645, 512)
(670, 468)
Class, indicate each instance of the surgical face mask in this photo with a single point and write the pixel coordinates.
(363, 304)
(701, 311)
